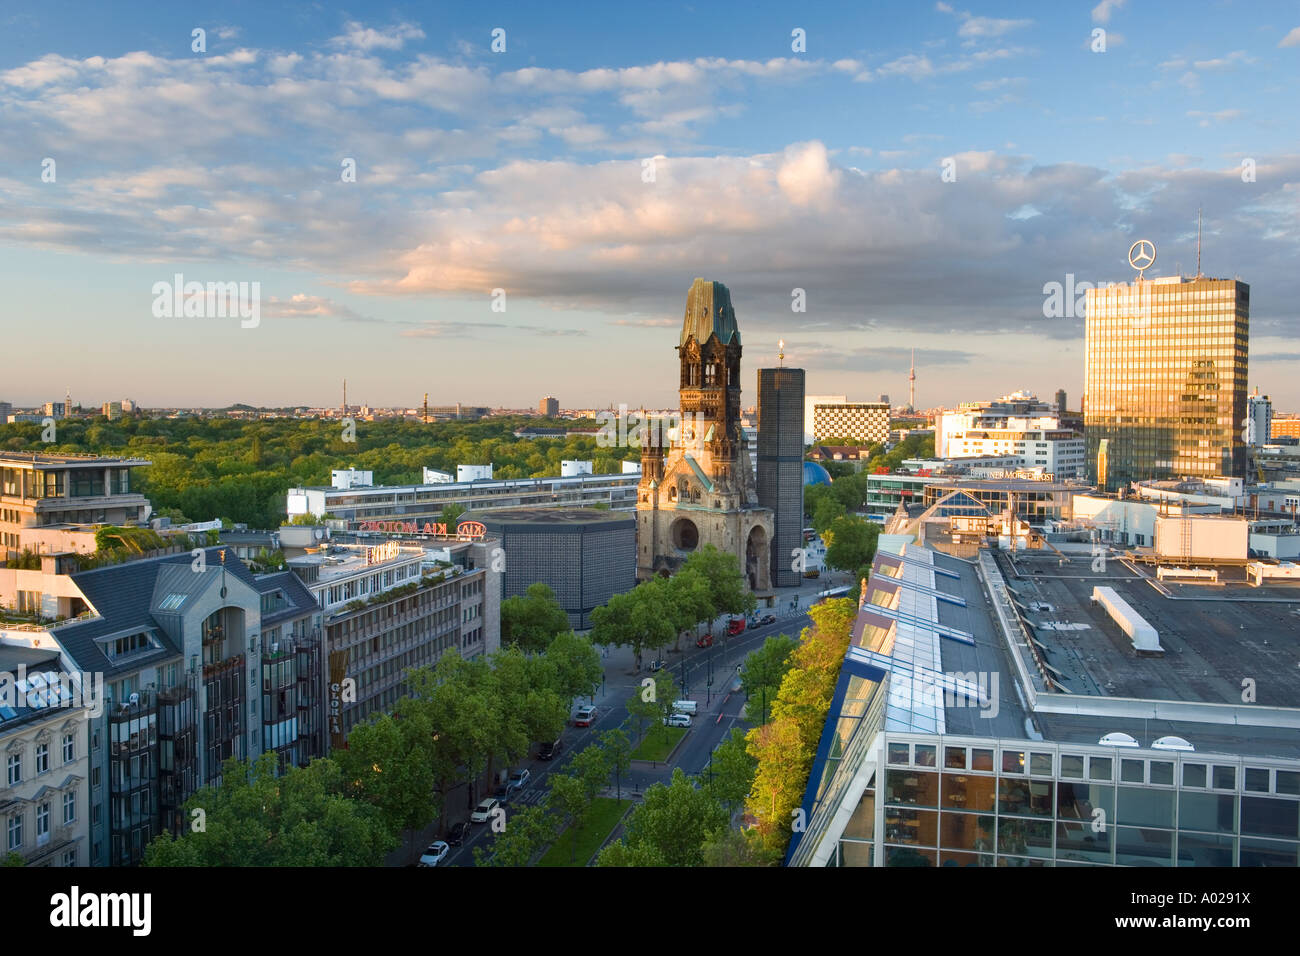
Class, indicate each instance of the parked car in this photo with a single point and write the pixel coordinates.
(767, 619)
(456, 835)
(584, 717)
(736, 625)
(548, 749)
(705, 641)
(483, 812)
(518, 780)
(754, 623)
(501, 793)
(657, 665)
(434, 853)
(677, 720)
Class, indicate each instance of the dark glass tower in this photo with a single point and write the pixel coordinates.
(780, 466)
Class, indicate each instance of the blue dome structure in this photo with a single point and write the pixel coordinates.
(815, 474)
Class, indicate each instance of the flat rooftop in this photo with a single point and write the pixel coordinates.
(65, 461)
(548, 516)
(341, 561)
(1214, 637)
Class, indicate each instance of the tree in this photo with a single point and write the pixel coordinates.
(13, 859)
(674, 820)
(652, 703)
(851, 542)
(532, 619)
(575, 665)
(730, 776)
(458, 698)
(388, 763)
(619, 748)
(260, 817)
(825, 514)
(728, 847)
(528, 704)
(619, 853)
(571, 800)
(763, 669)
(638, 619)
(450, 516)
(691, 601)
(727, 591)
(526, 832)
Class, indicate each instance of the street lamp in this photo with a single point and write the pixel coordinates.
(709, 698)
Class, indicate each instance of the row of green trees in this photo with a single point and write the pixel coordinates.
(783, 745)
(687, 821)
(658, 612)
(567, 804)
(459, 720)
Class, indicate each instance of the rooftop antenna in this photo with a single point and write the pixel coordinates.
(1198, 242)
(780, 353)
(345, 396)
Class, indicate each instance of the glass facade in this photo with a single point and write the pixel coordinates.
(1031, 803)
(1166, 379)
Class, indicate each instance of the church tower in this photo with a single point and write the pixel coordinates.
(700, 488)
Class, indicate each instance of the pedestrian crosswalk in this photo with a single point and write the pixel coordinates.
(531, 796)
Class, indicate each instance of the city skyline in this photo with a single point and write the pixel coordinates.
(921, 174)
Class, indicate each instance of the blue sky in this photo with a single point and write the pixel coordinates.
(524, 170)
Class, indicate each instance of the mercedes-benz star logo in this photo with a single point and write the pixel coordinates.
(1142, 255)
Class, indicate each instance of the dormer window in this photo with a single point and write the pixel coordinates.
(130, 645)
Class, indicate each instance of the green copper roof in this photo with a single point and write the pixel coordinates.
(699, 473)
(708, 310)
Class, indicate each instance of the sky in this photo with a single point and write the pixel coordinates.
(526, 220)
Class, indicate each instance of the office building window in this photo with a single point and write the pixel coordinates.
(42, 820)
(15, 831)
(69, 748)
(15, 764)
(70, 857)
(42, 758)
(70, 806)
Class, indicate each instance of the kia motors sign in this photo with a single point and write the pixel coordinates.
(465, 531)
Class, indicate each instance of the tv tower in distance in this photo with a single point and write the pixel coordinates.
(911, 384)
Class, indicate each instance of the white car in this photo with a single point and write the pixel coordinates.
(483, 812)
(677, 720)
(434, 853)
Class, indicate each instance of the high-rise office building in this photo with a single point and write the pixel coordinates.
(863, 422)
(1166, 378)
(780, 465)
(1060, 401)
(1259, 420)
(548, 407)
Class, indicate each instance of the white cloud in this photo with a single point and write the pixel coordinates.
(1101, 12)
(1292, 38)
(358, 37)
